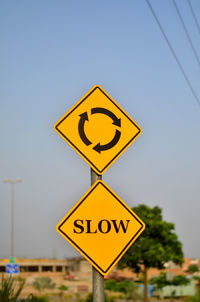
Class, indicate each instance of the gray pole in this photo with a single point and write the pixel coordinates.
(97, 278)
(12, 238)
(12, 218)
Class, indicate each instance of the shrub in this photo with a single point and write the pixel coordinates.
(127, 287)
(111, 284)
(122, 286)
(32, 298)
(10, 289)
(196, 298)
(43, 283)
(89, 298)
(193, 268)
(63, 287)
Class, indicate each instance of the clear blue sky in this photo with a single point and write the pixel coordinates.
(51, 54)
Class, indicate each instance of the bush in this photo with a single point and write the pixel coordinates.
(196, 298)
(10, 289)
(127, 287)
(43, 283)
(111, 284)
(193, 268)
(121, 286)
(63, 287)
(89, 298)
(32, 298)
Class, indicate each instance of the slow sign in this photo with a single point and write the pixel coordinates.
(101, 227)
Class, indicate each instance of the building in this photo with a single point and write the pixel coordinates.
(46, 265)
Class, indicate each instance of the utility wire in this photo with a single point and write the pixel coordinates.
(186, 32)
(173, 53)
(193, 14)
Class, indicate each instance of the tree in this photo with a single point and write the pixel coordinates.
(193, 268)
(160, 282)
(157, 245)
(197, 279)
(180, 280)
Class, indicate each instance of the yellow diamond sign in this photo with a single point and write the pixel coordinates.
(98, 129)
(101, 227)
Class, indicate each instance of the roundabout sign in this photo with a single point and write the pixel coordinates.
(99, 148)
(98, 129)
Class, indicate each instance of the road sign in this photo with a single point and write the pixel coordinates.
(101, 227)
(12, 268)
(12, 259)
(98, 129)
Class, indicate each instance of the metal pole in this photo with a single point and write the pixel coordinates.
(12, 218)
(97, 278)
(12, 238)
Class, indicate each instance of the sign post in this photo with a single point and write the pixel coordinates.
(100, 225)
(97, 278)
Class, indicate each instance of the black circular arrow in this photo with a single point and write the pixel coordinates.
(111, 144)
(116, 121)
(84, 117)
(86, 141)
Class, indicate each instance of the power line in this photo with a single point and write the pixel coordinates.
(186, 33)
(173, 53)
(193, 14)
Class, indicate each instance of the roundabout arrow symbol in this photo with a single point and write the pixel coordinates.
(111, 144)
(84, 117)
(107, 112)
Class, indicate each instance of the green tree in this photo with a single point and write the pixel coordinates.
(180, 280)
(157, 245)
(197, 278)
(193, 268)
(160, 282)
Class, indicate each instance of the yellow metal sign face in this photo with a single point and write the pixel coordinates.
(101, 227)
(98, 129)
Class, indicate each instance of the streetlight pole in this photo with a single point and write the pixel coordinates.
(12, 182)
